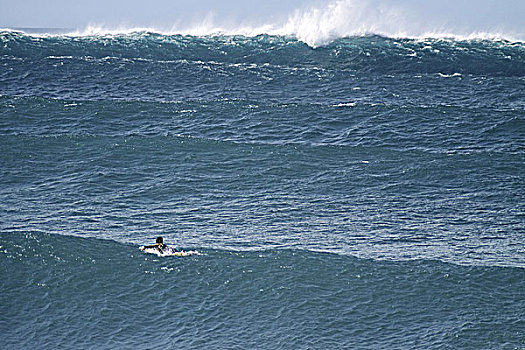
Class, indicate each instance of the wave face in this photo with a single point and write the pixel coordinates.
(363, 193)
(102, 294)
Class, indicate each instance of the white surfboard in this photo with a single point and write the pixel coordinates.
(169, 251)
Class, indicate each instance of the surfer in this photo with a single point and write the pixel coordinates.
(159, 245)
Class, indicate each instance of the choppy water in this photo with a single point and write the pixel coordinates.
(364, 194)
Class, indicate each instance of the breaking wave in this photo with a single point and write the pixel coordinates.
(320, 24)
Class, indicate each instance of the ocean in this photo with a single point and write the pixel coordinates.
(366, 193)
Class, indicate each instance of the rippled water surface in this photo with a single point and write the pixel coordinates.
(363, 194)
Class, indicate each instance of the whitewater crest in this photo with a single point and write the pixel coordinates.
(343, 18)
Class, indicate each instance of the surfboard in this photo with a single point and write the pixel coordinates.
(169, 251)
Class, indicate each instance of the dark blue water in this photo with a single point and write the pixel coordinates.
(364, 194)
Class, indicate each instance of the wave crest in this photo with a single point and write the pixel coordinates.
(347, 18)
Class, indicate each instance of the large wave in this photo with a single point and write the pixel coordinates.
(319, 23)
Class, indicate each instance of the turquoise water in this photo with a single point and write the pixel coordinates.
(363, 194)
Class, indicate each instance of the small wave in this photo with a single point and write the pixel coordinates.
(442, 75)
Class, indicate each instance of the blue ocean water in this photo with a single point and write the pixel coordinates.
(364, 194)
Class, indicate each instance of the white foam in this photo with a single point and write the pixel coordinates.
(343, 18)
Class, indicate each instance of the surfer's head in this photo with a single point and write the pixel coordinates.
(159, 240)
